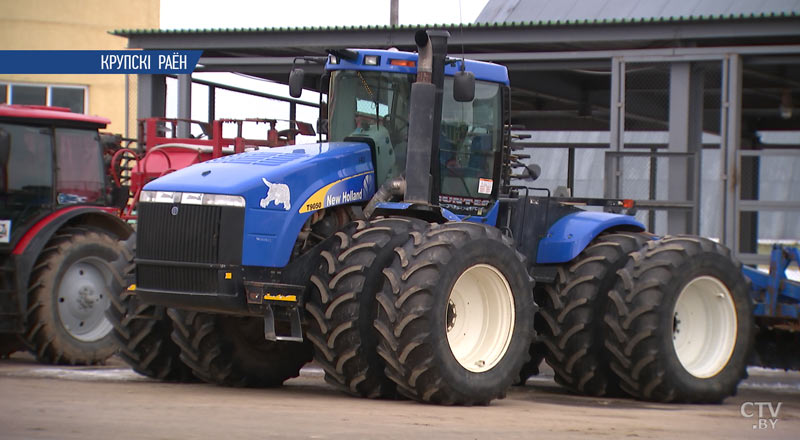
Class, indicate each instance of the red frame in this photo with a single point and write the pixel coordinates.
(165, 154)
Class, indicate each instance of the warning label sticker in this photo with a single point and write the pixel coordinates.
(5, 231)
(485, 186)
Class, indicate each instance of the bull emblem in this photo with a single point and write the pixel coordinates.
(277, 193)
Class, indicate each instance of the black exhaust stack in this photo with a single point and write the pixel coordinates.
(425, 116)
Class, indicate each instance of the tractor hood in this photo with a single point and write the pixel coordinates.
(303, 168)
(282, 187)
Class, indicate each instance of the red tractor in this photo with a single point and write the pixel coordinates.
(60, 235)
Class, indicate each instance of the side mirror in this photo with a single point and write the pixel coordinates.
(464, 86)
(534, 171)
(296, 77)
(5, 147)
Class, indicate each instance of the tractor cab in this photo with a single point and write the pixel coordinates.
(369, 101)
(49, 158)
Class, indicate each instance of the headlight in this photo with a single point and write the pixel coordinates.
(223, 200)
(147, 196)
(167, 197)
(192, 198)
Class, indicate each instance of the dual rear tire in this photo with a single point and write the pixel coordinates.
(680, 323)
(570, 322)
(436, 313)
(341, 303)
(455, 315)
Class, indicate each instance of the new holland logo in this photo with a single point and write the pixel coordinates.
(348, 190)
(174, 210)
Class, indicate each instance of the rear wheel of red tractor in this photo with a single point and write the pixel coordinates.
(70, 291)
(9, 344)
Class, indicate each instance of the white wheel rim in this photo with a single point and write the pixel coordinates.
(480, 318)
(704, 327)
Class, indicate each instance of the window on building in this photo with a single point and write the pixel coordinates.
(32, 95)
(71, 97)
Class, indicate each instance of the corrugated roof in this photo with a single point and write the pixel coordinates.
(627, 11)
(518, 19)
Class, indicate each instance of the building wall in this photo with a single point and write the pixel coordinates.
(79, 25)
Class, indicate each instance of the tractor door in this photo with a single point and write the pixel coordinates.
(26, 177)
(470, 143)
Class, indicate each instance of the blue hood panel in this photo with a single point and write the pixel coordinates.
(282, 188)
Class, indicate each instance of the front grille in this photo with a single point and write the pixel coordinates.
(191, 235)
(195, 234)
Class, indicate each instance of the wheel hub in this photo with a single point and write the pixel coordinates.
(87, 297)
(82, 301)
(479, 319)
(451, 316)
(704, 327)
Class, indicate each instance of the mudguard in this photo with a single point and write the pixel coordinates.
(570, 235)
(282, 188)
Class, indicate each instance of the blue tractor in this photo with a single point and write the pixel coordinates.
(399, 255)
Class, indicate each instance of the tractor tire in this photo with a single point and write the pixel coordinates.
(231, 350)
(571, 314)
(536, 352)
(69, 293)
(9, 344)
(455, 315)
(142, 331)
(341, 305)
(680, 323)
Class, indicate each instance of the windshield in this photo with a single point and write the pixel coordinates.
(80, 175)
(372, 105)
(375, 105)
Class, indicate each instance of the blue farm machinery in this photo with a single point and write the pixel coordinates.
(400, 257)
(776, 300)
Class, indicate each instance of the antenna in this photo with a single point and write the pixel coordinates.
(461, 30)
(394, 8)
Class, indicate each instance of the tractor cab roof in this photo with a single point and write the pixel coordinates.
(406, 62)
(44, 115)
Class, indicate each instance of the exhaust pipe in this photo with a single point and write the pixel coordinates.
(424, 58)
(424, 121)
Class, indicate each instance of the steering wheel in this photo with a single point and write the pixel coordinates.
(394, 131)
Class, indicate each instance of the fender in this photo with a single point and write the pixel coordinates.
(29, 247)
(570, 235)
